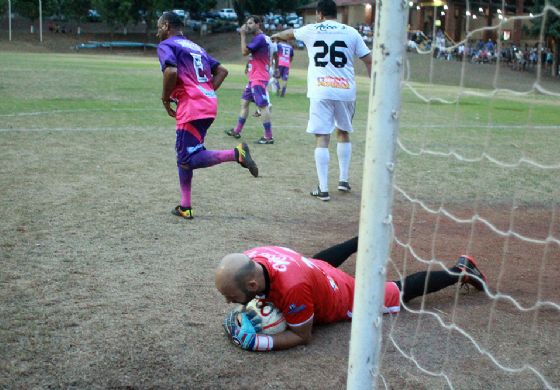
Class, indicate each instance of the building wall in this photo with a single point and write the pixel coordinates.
(455, 23)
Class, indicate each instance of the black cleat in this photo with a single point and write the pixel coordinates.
(471, 274)
(183, 212)
(232, 133)
(324, 196)
(264, 141)
(244, 159)
(344, 186)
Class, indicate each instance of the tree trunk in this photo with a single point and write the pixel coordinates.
(556, 61)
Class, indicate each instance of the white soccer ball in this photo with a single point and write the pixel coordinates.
(272, 319)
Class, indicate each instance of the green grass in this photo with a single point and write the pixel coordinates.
(65, 95)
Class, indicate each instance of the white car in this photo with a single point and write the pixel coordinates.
(227, 13)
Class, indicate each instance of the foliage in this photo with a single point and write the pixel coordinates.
(30, 8)
(261, 7)
(286, 6)
(3, 7)
(197, 6)
(116, 13)
(72, 9)
(551, 27)
(552, 24)
(119, 13)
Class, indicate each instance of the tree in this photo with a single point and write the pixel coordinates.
(116, 13)
(3, 7)
(73, 9)
(197, 6)
(240, 6)
(286, 6)
(30, 8)
(551, 28)
(261, 7)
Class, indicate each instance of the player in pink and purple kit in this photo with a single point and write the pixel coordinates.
(190, 79)
(258, 75)
(283, 55)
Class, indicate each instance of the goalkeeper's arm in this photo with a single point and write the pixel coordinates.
(293, 336)
(247, 335)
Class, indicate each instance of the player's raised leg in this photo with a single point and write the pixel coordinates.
(191, 155)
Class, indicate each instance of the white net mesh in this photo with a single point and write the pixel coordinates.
(478, 173)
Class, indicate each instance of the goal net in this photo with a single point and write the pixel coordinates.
(477, 172)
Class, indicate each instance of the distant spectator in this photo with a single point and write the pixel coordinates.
(548, 60)
(490, 45)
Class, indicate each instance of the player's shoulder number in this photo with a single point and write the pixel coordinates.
(336, 56)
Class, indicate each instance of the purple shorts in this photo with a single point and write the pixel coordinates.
(284, 72)
(190, 139)
(255, 91)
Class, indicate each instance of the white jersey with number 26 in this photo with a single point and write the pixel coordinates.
(331, 47)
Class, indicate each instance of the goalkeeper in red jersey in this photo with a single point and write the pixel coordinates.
(310, 291)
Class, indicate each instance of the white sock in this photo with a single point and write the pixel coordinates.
(322, 158)
(344, 153)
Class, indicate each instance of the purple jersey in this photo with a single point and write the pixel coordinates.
(260, 58)
(285, 53)
(194, 91)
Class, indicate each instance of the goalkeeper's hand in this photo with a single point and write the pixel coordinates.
(245, 335)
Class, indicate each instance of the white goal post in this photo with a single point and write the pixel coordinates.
(377, 193)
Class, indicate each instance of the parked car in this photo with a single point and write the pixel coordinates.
(294, 21)
(93, 16)
(211, 14)
(227, 13)
(179, 12)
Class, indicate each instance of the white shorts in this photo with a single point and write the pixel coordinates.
(326, 114)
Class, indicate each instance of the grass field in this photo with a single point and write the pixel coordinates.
(102, 287)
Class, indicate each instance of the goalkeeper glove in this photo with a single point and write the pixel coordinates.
(245, 336)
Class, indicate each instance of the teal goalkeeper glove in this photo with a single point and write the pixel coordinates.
(245, 335)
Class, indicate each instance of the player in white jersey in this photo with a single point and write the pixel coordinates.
(331, 87)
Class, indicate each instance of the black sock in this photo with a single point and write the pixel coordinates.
(437, 280)
(336, 255)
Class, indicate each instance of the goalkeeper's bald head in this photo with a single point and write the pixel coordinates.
(239, 278)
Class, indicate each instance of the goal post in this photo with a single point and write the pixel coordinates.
(377, 192)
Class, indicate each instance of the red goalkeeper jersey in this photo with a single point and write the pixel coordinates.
(307, 289)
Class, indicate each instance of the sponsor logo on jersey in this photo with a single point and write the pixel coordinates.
(332, 283)
(293, 308)
(189, 45)
(333, 82)
(325, 27)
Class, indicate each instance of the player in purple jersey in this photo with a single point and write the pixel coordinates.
(190, 79)
(283, 56)
(258, 76)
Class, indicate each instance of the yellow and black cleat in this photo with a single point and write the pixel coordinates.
(184, 212)
(244, 159)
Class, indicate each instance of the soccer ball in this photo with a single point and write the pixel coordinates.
(272, 319)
